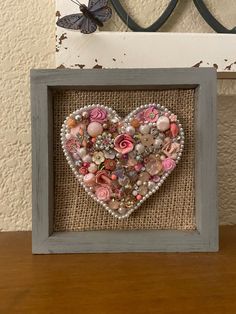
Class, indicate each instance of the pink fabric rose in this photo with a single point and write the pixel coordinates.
(138, 167)
(103, 193)
(98, 115)
(171, 149)
(123, 143)
(102, 178)
(83, 170)
(151, 114)
(168, 164)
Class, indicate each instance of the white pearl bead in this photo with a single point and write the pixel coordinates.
(68, 136)
(78, 117)
(114, 120)
(130, 129)
(85, 114)
(144, 129)
(122, 210)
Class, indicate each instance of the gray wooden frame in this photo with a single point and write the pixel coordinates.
(44, 240)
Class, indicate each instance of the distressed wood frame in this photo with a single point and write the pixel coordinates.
(44, 240)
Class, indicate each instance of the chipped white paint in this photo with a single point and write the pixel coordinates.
(147, 50)
(141, 50)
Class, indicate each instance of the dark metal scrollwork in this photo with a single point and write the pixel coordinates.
(211, 20)
(134, 26)
(200, 5)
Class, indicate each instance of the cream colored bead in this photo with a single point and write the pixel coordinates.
(92, 168)
(163, 123)
(144, 129)
(139, 148)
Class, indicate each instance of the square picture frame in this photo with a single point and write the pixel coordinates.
(45, 240)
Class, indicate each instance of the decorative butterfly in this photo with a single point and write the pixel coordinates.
(90, 17)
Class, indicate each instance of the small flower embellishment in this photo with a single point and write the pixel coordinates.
(103, 193)
(98, 158)
(104, 141)
(124, 144)
(171, 149)
(110, 164)
(173, 117)
(147, 140)
(83, 170)
(168, 164)
(151, 114)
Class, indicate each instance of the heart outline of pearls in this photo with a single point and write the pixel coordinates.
(114, 117)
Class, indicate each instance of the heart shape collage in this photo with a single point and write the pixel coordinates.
(122, 162)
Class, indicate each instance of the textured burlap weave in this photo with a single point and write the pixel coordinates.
(172, 207)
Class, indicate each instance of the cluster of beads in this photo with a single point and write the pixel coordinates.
(121, 163)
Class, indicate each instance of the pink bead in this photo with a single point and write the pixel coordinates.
(138, 167)
(163, 123)
(174, 129)
(86, 164)
(113, 177)
(94, 129)
(139, 197)
(89, 179)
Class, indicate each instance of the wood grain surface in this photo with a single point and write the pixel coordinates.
(117, 283)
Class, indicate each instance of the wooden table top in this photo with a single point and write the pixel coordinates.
(117, 283)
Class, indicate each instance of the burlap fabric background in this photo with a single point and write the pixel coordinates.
(172, 207)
